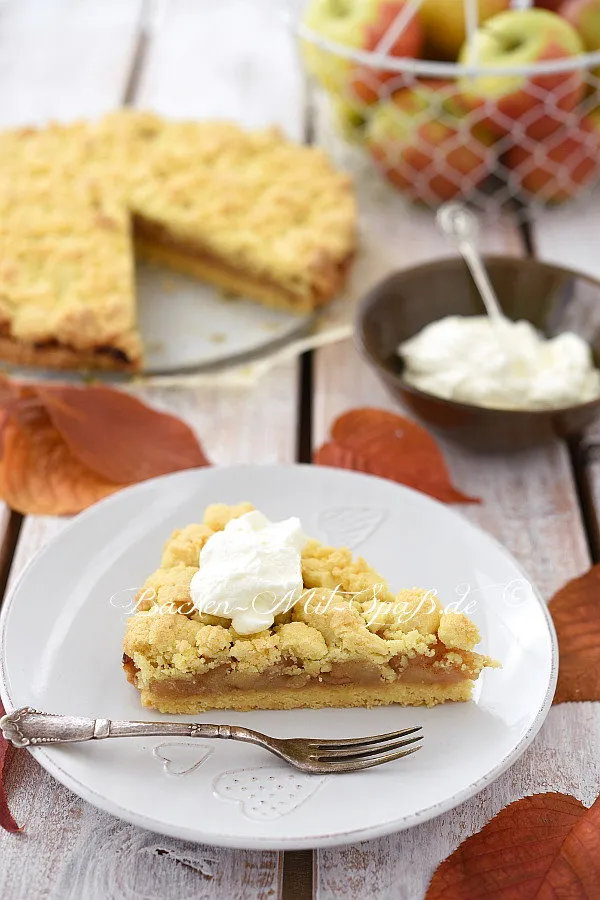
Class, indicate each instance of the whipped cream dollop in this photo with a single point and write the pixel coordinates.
(503, 365)
(250, 571)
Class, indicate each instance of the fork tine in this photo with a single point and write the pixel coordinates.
(366, 741)
(366, 763)
(349, 754)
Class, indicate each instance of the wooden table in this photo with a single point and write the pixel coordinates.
(233, 58)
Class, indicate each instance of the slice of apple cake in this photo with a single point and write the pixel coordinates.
(332, 633)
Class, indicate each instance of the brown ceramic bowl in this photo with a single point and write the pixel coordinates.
(552, 298)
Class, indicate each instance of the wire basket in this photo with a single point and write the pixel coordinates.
(526, 136)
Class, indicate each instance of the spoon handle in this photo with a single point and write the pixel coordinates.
(460, 225)
(482, 280)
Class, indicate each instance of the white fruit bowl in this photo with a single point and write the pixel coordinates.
(494, 133)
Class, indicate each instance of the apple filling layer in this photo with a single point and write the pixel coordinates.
(347, 641)
(207, 691)
(158, 244)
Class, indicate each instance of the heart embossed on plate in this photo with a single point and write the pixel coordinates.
(349, 526)
(269, 792)
(180, 757)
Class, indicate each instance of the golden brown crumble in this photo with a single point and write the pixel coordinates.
(66, 270)
(346, 614)
(457, 631)
(67, 193)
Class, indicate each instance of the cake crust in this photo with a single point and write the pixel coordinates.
(55, 356)
(314, 697)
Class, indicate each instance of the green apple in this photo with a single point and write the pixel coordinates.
(560, 168)
(444, 23)
(539, 102)
(349, 119)
(361, 25)
(424, 142)
(584, 16)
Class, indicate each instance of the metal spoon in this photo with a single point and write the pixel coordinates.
(460, 225)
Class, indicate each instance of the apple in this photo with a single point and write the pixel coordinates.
(349, 119)
(538, 103)
(552, 5)
(557, 169)
(444, 24)
(584, 16)
(423, 142)
(361, 25)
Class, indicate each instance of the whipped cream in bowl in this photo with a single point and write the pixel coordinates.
(488, 401)
(250, 572)
(500, 364)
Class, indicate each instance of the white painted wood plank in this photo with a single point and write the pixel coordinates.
(238, 425)
(564, 757)
(529, 498)
(531, 507)
(71, 850)
(234, 60)
(568, 236)
(231, 60)
(60, 59)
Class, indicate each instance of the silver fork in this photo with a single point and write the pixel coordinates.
(29, 727)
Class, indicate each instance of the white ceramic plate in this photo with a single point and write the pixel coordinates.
(60, 651)
(189, 326)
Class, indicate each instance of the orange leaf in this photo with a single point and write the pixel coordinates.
(575, 609)
(6, 819)
(385, 444)
(339, 457)
(119, 437)
(40, 475)
(543, 847)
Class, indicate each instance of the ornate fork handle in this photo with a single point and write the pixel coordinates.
(29, 727)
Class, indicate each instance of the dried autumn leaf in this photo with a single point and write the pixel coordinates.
(385, 444)
(543, 847)
(119, 437)
(575, 609)
(6, 820)
(63, 448)
(38, 473)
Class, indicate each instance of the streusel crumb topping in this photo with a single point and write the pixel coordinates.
(68, 194)
(276, 208)
(66, 268)
(346, 613)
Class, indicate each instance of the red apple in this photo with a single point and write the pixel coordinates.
(365, 81)
(552, 5)
(538, 103)
(361, 25)
(584, 16)
(560, 167)
(424, 143)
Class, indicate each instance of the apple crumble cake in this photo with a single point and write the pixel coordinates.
(250, 212)
(346, 640)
